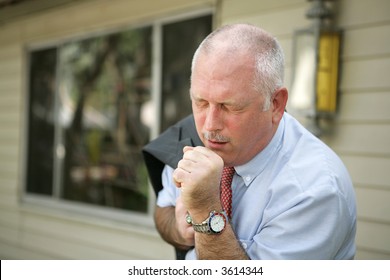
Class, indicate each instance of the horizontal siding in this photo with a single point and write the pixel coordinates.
(373, 204)
(9, 69)
(368, 171)
(56, 238)
(9, 235)
(374, 237)
(8, 85)
(373, 142)
(288, 19)
(9, 200)
(9, 170)
(6, 99)
(119, 242)
(10, 119)
(8, 151)
(367, 41)
(362, 13)
(365, 107)
(10, 116)
(9, 218)
(10, 129)
(366, 74)
(8, 50)
(367, 254)
(362, 128)
(60, 248)
(246, 8)
(96, 16)
(7, 186)
(10, 89)
(13, 251)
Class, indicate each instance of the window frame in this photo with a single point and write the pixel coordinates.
(41, 203)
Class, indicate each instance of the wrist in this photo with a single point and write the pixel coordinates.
(201, 211)
(215, 223)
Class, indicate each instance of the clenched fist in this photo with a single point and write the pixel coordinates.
(198, 174)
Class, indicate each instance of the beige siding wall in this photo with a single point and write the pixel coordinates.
(360, 134)
(33, 231)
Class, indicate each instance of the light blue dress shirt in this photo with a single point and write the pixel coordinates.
(294, 200)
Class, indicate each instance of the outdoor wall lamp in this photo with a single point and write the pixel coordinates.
(315, 68)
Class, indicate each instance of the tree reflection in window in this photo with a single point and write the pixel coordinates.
(102, 84)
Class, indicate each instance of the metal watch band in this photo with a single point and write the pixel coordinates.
(204, 227)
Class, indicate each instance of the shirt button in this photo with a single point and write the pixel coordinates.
(247, 178)
(243, 244)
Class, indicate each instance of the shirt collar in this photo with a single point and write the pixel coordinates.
(250, 170)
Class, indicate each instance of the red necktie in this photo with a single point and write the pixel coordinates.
(226, 190)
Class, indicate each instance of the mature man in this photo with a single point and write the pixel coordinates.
(292, 197)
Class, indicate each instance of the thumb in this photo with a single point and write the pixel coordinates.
(176, 178)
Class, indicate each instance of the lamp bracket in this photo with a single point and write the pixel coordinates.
(319, 10)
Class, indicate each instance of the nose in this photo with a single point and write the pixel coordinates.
(214, 119)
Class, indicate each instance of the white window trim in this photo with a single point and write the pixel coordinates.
(88, 212)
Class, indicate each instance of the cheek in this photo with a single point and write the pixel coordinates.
(199, 123)
(250, 131)
(239, 131)
(199, 115)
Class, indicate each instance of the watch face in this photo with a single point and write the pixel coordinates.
(217, 222)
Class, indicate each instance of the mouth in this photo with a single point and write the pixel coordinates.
(215, 141)
(216, 145)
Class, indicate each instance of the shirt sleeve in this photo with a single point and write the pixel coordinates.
(167, 196)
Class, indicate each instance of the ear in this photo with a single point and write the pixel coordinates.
(279, 101)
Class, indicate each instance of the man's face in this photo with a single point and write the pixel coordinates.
(228, 112)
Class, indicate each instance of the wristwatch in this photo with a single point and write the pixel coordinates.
(214, 224)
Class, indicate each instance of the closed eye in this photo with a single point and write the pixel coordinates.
(233, 108)
(200, 103)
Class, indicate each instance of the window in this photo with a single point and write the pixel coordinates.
(179, 44)
(87, 105)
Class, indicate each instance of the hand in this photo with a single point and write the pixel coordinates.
(185, 230)
(198, 175)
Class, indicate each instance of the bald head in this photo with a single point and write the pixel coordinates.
(244, 40)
